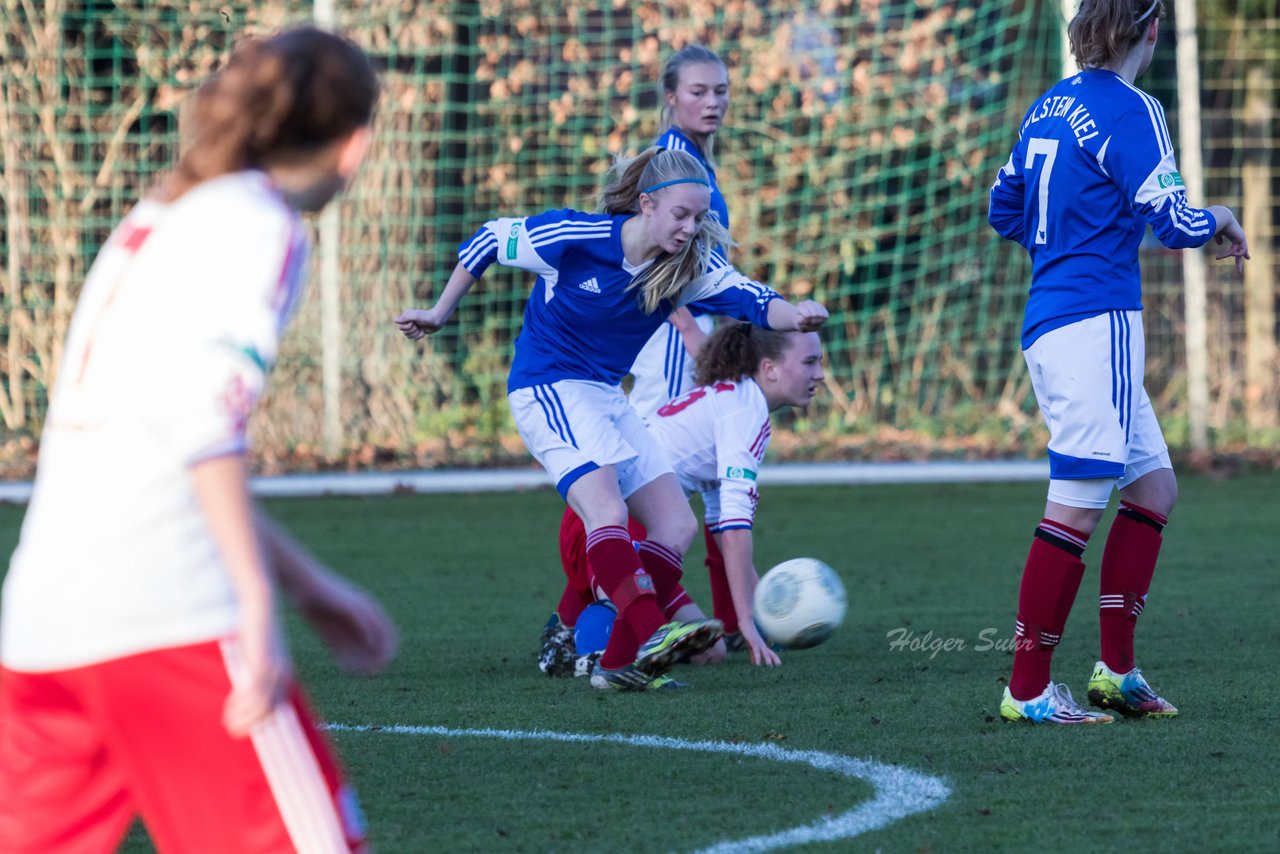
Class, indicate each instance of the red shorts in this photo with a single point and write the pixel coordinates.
(83, 751)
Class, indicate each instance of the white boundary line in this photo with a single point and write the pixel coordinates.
(899, 792)
(505, 480)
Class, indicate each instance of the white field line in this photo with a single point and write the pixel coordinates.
(504, 480)
(899, 792)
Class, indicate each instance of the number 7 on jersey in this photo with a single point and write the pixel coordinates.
(1049, 148)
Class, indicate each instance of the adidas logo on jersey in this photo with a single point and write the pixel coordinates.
(591, 286)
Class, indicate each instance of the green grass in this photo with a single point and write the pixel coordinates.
(470, 580)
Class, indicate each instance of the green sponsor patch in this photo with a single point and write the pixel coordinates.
(1169, 179)
(734, 471)
(513, 242)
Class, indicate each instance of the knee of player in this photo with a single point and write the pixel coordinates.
(679, 530)
(603, 513)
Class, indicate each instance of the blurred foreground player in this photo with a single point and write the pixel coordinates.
(144, 668)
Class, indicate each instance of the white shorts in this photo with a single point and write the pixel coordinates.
(1087, 378)
(573, 427)
(664, 369)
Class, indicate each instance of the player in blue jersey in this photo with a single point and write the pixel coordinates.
(695, 93)
(605, 282)
(1092, 168)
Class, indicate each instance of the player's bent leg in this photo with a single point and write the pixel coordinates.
(280, 789)
(1155, 488)
(61, 790)
(661, 507)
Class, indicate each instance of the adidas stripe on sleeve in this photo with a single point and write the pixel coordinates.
(1140, 158)
(724, 290)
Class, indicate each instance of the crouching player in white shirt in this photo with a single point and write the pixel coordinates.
(144, 671)
(715, 437)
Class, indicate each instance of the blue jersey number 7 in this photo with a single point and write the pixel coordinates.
(1049, 148)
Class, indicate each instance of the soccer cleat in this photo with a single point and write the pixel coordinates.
(672, 641)
(1055, 705)
(734, 642)
(558, 656)
(584, 664)
(629, 678)
(666, 683)
(1127, 693)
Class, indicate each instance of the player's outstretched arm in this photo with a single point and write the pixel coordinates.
(739, 568)
(416, 323)
(1229, 230)
(356, 629)
(691, 333)
(222, 489)
(804, 316)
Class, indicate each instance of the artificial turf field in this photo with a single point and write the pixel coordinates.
(470, 580)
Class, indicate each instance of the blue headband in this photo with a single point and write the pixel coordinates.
(701, 181)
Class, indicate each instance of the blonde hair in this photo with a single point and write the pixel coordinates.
(1103, 31)
(669, 274)
(691, 54)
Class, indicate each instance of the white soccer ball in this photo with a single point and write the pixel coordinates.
(799, 603)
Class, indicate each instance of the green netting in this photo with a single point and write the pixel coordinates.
(861, 141)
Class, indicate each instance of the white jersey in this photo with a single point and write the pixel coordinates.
(715, 438)
(664, 368)
(167, 355)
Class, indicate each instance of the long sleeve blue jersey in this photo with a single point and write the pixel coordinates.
(583, 319)
(1093, 165)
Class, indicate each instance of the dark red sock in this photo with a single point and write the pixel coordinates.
(679, 598)
(618, 570)
(721, 597)
(1128, 562)
(1050, 581)
(621, 648)
(665, 567)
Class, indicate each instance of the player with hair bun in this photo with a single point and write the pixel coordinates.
(1093, 166)
(716, 436)
(143, 664)
(606, 281)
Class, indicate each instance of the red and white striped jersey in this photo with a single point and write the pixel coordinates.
(715, 437)
(167, 355)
